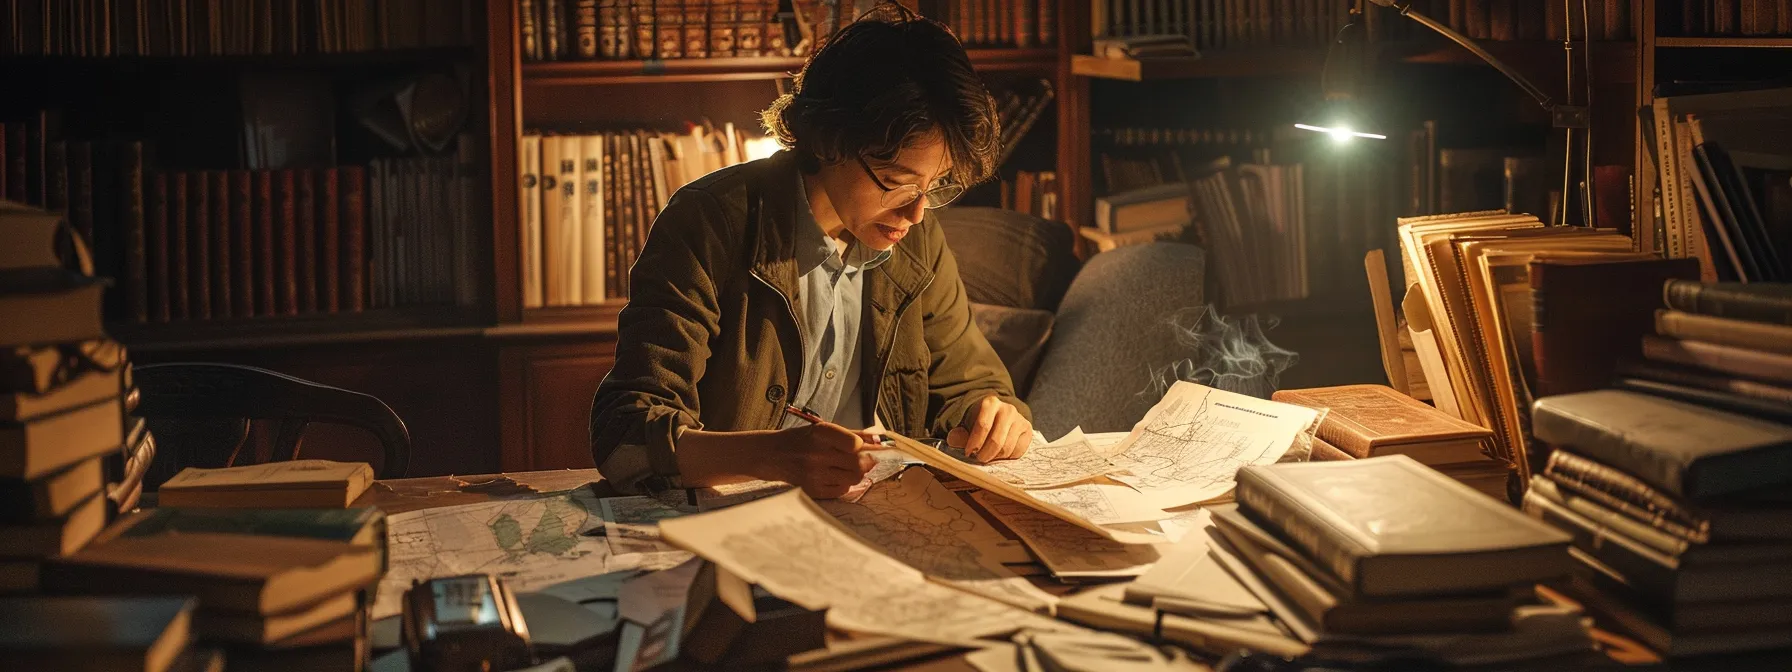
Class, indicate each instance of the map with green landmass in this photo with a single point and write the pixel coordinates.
(529, 543)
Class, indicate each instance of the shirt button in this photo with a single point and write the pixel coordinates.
(774, 393)
(829, 374)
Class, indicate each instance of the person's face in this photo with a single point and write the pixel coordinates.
(868, 195)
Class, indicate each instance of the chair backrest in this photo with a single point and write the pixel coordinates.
(200, 415)
(1009, 258)
(1113, 334)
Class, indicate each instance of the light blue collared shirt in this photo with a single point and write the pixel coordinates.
(830, 298)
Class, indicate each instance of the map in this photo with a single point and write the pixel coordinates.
(528, 543)
(1068, 550)
(919, 522)
(1048, 465)
(1190, 445)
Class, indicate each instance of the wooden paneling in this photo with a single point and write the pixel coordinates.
(546, 412)
(444, 390)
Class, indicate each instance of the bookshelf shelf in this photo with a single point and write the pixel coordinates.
(1240, 63)
(307, 60)
(393, 324)
(1725, 42)
(695, 70)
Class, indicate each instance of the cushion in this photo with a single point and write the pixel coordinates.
(1009, 258)
(1018, 336)
(1115, 338)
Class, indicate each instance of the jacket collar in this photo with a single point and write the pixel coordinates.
(774, 195)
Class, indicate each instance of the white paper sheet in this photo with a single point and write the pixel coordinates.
(1189, 446)
(1067, 550)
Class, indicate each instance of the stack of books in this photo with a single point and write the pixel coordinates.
(1317, 541)
(276, 588)
(1364, 421)
(1724, 345)
(61, 395)
(1681, 516)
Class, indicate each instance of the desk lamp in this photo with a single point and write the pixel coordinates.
(1341, 76)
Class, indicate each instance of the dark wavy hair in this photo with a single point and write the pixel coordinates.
(880, 84)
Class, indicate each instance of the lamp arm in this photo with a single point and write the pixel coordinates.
(1406, 10)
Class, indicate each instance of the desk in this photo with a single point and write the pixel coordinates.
(411, 494)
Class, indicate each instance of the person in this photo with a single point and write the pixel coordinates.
(816, 279)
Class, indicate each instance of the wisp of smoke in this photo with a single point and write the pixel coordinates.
(1230, 353)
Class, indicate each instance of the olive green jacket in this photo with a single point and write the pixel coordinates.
(710, 339)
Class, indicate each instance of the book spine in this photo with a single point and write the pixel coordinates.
(1625, 493)
(1276, 507)
(527, 30)
(354, 238)
(1725, 359)
(592, 266)
(131, 220)
(586, 26)
(329, 241)
(613, 218)
(242, 236)
(305, 214)
(529, 238)
(286, 231)
(1757, 336)
(1731, 301)
(56, 183)
(265, 244)
(222, 253)
(80, 191)
(695, 29)
(161, 246)
(190, 296)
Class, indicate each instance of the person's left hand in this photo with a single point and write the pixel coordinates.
(992, 430)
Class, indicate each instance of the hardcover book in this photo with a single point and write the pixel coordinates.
(1371, 420)
(1684, 449)
(1389, 526)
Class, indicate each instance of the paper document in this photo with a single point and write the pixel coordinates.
(1067, 550)
(1189, 446)
(914, 519)
(791, 547)
(632, 524)
(975, 477)
(529, 543)
(1070, 459)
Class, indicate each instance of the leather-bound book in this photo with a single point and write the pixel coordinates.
(1590, 316)
(329, 241)
(305, 218)
(1686, 450)
(155, 194)
(1391, 527)
(1371, 420)
(1724, 331)
(265, 276)
(222, 256)
(286, 281)
(1740, 362)
(353, 185)
(245, 259)
(1769, 302)
(1744, 517)
(228, 572)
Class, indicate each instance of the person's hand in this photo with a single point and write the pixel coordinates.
(824, 460)
(992, 430)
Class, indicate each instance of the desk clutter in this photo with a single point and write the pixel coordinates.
(1645, 412)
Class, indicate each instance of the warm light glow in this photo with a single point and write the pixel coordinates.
(1340, 133)
(760, 148)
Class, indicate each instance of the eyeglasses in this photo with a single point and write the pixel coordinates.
(901, 195)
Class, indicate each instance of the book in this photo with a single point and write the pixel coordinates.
(1683, 449)
(1754, 364)
(1372, 420)
(1685, 552)
(1759, 336)
(361, 527)
(63, 306)
(1334, 614)
(83, 390)
(292, 484)
(1755, 302)
(1706, 380)
(1606, 595)
(95, 633)
(1454, 540)
(44, 445)
(1658, 577)
(1736, 518)
(1588, 317)
(272, 575)
(1108, 241)
(51, 495)
(1143, 209)
(34, 239)
(1775, 411)
(59, 536)
(258, 629)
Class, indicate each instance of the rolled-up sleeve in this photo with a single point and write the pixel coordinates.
(662, 347)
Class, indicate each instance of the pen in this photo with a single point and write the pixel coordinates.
(804, 413)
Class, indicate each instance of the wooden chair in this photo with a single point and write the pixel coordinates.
(200, 415)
